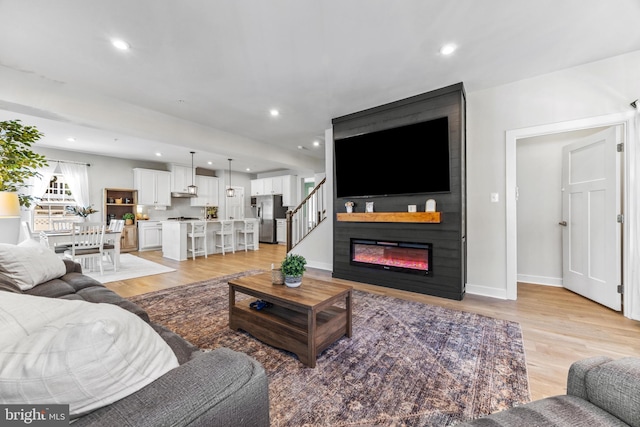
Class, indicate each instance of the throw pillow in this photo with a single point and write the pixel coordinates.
(75, 352)
(29, 264)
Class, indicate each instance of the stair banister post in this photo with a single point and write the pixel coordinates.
(289, 231)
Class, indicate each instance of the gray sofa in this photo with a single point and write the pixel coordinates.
(213, 388)
(600, 392)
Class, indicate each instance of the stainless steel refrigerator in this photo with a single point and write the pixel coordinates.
(269, 208)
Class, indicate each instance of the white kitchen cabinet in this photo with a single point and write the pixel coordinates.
(208, 191)
(257, 187)
(163, 189)
(267, 185)
(149, 235)
(281, 230)
(181, 178)
(154, 186)
(270, 185)
(276, 185)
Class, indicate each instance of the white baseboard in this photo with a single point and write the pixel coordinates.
(320, 266)
(486, 291)
(540, 280)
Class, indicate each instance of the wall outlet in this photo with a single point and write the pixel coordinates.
(495, 197)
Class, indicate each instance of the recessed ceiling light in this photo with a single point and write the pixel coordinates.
(248, 169)
(71, 139)
(274, 112)
(316, 143)
(300, 147)
(159, 154)
(209, 162)
(120, 44)
(448, 49)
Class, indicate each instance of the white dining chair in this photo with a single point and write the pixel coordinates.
(88, 240)
(58, 226)
(198, 234)
(246, 235)
(62, 224)
(116, 225)
(224, 238)
(58, 249)
(109, 245)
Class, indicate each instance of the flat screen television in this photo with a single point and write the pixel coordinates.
(410, 159)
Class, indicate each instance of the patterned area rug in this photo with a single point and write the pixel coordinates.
(407, 364)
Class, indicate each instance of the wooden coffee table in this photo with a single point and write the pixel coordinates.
(302, 320)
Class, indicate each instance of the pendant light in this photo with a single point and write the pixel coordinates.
(192, 189)
(230, 191)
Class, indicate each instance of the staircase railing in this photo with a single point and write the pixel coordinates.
(307, 216)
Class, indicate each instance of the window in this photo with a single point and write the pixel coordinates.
(53, 203)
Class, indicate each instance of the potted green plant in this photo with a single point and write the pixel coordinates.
(128, 218)
(17, 162)
(292, 269)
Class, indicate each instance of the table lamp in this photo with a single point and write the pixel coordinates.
(9, 217)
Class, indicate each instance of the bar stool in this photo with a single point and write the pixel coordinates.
(246, 234)
(226, 237)
(198, 236)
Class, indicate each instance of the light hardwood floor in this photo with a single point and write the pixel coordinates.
(558, 326)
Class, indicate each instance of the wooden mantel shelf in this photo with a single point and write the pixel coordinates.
(429, 217)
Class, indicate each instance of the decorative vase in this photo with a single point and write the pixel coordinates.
(293, 281)
(276, 276)
(128, 221)
(349, 209)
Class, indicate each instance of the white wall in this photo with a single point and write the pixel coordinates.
(539, 171)
(595, 89)
(317, 247)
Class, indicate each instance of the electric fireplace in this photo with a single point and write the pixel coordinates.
(406, 257)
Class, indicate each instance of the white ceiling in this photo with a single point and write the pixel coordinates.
(202, 75)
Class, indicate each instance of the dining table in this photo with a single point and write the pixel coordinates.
(64, 237)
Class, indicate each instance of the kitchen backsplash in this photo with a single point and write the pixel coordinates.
(182, 207)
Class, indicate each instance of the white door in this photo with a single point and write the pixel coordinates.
(235, 204)
(591, 237)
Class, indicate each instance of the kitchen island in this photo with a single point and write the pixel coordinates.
(175, 241)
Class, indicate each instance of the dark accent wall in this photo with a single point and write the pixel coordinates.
(449, 236)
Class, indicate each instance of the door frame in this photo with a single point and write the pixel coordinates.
(511, 140)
